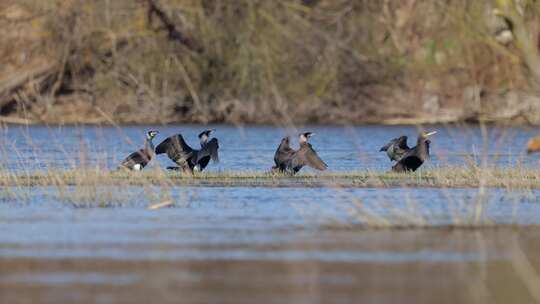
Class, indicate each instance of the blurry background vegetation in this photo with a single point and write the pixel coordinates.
(259, 61)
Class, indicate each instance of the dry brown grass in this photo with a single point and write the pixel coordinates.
(255, 61)
(444, 177)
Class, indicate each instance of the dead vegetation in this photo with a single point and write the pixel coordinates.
(281, 62)
(444, 177)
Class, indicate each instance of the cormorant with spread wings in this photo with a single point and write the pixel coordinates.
(291, 161)
(187, 158)
(416, 156)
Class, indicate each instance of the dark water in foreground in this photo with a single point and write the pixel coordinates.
(260, 244)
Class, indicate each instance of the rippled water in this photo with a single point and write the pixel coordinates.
(305, 244)
(239, 223)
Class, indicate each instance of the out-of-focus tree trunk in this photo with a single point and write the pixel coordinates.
(526, 37)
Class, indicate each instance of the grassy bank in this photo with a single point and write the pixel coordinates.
(279, 62)
(447, 177)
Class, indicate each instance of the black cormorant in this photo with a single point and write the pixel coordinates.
(139, 159)
(291, 161)
(396, 148)
(416, 156)
(187, 158)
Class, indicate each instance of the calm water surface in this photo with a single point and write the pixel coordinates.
(237, 244)
(252, 148)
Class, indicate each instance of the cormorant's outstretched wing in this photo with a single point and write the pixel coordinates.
(306, 156)
(398, 141)
(387, 146)
(209, 149)
(396, 148)
(176, 148)
(399, 149)
(402, 143)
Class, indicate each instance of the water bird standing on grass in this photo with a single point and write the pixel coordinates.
(187, 158)
(291, 161)
(416, 156)
(396, 148)
(139, 159)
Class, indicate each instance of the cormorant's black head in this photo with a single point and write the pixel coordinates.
(206, 133)
(151, 134)
(304, 137)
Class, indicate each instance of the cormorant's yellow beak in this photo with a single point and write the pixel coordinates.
(430, 133)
